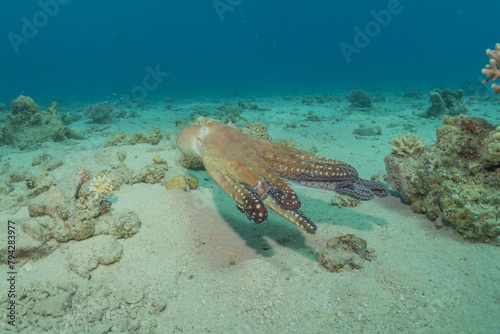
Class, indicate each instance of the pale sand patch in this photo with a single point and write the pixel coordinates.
(218, 272)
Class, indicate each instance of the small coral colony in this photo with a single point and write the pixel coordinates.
(455, 182)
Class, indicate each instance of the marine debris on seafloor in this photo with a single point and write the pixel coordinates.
(456, 181)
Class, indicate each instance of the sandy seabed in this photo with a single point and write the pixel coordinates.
(197, 265)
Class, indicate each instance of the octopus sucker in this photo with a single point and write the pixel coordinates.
(256, 173)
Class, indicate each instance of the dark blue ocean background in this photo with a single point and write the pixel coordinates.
(90, 50)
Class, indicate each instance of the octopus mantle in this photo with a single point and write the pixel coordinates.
(255, 172)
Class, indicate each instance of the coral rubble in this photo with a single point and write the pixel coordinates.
(446, 102)
(456, 181)
(492, 70)
(29, 128)
(152, 137)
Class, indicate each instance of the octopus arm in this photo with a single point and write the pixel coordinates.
(295, 216)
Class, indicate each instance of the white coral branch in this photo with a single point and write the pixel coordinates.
(100, 186)
(407, 146)
(492, 70)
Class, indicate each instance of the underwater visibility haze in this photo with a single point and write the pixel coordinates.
(242, 166)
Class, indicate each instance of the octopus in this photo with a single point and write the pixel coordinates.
(257, 173)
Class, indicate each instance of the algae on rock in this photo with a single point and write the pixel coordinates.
(456, 181)
(446, 102)
(29, 128)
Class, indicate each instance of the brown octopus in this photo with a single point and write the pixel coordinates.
(254, 172)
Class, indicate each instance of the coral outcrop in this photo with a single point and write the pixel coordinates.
(99, 112)
(407, 146)
(446, 102)
(456, 181)
(22, 109)
(359, 99)
(29, 128)
(492, 70)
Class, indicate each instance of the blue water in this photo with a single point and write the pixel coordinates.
(92, 49)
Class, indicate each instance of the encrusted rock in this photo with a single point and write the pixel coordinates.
(192, 163)
(407, 146)
(85, 256)
(153, 173)
(177, 182)
(99, 112)
(259, 130)
(120, 138)
(42, 182)
(119, 226)
(29, 128)
(490, 155)
(359, 99)
(456, 181)
(446, 102)
(368, 131)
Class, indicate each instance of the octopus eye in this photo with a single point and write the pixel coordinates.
(205, 130)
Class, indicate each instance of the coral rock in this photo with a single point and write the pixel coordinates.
(456, 181)
(22, 109)
(359, 99)
(446, 102)
(120, 138)
(192, 181)
(29, 128)
(346, 251)
(192, 163)
(120, 226)
(99, 112)
(85, 256)
(177, 182)
(259, 130)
